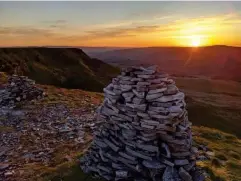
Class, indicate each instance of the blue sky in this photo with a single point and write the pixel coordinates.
(110, 23)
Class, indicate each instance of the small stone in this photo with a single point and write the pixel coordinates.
(150, 97)
(8, 174)
(3, 166)
(184, 174)
(181, 162)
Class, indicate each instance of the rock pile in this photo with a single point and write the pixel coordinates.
(19, 89)
(146, 134)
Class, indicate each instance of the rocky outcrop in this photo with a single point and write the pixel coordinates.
(145, 134)
(19, 89)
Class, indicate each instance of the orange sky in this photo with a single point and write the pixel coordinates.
(125, 25)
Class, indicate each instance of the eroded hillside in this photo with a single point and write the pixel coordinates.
(62, 67)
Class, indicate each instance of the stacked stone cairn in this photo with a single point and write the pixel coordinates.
(19, 89)
(145, 134)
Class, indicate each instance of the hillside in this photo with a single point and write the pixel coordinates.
(213, 103)
(215, 61)
(63, 67)
(60, 163)
(63, 105)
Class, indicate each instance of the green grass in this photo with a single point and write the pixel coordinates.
(204, 114)
(223, 167)
(227, 148)
(3, 78)
(213, 103)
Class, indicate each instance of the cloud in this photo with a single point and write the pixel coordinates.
(119, 32)
(25, 31)
(55, 23)
(59, 31)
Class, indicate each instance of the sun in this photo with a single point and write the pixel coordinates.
(195, 40)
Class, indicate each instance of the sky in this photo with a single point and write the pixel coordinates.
(120, 24)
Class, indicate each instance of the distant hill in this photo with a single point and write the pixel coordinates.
(63, 67)
(222, 62)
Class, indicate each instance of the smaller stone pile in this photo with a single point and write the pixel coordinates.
(146, 134)
(19, 89)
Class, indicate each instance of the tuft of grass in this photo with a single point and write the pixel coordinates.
(216, 163)
(234, 155)
(227, 148)
(221, 157)
(6, 129)
(3, 78)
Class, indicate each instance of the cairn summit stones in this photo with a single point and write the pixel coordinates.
(145, 134)
(19, 89)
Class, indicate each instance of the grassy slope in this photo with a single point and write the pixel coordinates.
(225, 165)
(213, 103)
(64, 67)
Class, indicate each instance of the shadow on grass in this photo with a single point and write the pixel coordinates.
(202, 114)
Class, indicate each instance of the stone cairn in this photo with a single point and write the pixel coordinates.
(145, 134)
(19, 89)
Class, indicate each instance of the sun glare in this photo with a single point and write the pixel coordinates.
(195, 41)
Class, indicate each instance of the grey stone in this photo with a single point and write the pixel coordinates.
(171, 174)
(181, 162)
(3, 166)
(169, 98)
(127, 156)
(126, 160)
(150, 122)
(150, 97)
(146, 72)
(143, 115)
(109, 92)
(157, 109)
(122, 173)
(197, 175)
(161, 90)
(137, 79)
(126, 82)
(111, 145)
(175, 109)
(139, 94)
(141, 107)
(118, 166)
(137, 100)
(104, 168)
(189, 166)
(153, 164)
(137, 154)
(146, 126)
(181, 154)
(149, 148)
(184, 174)
(146, 76)
(167, 162)
(125, 87)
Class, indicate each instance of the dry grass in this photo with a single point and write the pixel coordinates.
(3, 78)
(213, 103)
(226, 164)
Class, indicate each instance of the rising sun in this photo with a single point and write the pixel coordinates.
(195, 41)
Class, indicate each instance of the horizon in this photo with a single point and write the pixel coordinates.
(120, 24)
(80, 47)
